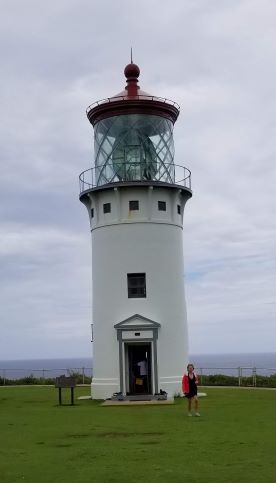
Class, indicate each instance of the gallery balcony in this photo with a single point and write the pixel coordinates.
(133, 173)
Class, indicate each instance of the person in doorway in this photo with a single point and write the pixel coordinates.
(143, 368)
(189, 388)
(143, 372)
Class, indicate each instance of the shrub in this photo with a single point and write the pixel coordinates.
(219, 380)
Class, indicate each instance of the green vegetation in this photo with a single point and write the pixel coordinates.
(32, 380)
(246, 381)
(221, 380)
(207, 380)
(233, 441)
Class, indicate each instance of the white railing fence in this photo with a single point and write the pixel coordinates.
(28, 376)
(237, 376)
(215, 376)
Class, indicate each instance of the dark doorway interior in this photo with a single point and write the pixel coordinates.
(139, 366)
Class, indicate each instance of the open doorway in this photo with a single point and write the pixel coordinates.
(138, 368)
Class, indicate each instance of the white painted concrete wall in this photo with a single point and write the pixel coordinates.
(147, 241)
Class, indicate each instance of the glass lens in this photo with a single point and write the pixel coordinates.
(134, 147)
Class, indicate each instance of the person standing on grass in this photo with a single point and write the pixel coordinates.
(189, 388)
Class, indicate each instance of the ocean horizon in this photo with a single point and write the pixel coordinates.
(227, 363)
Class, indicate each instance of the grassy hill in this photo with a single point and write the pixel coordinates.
(233, 441)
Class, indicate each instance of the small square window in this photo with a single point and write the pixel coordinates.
(136, 284)
(92, 212)
(134, 205)
(162, 206)
(107, 208)
(179, 209)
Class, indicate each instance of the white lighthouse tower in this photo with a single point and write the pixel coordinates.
(135, 196)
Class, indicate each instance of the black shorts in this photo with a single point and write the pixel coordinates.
(190, 395)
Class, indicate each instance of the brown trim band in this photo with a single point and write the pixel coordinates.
(135, 106)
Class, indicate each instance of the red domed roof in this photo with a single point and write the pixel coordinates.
(132, 100)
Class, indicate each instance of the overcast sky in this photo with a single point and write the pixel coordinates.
(216, 58)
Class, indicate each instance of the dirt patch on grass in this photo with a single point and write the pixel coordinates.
(78, 435)
(149, 442)
(35, 401)
(125, 434)
(63, 445)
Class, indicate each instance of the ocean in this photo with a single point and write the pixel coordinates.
(205, 364)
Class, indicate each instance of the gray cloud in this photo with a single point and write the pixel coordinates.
(217, 60)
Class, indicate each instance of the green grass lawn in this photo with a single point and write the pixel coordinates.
(233, 441)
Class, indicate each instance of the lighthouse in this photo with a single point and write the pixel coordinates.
(135, 195)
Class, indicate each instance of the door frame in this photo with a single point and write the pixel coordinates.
(137, 329)
(132, 343)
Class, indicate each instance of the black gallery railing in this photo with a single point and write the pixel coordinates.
(135, 172)
(110, 100)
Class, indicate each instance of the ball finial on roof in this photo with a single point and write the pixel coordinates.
(132, 70)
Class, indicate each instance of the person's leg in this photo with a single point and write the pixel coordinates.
(189, 405)
(196, 406)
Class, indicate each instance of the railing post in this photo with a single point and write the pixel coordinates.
(83, 375)
(239, 375)
(4, 377)
(254, 376)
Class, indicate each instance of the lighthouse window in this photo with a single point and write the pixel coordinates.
(107, 208)
(179, 209)
(92, 212)
(136, 283)
(134, 205)
(162, 205)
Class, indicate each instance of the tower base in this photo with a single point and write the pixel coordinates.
(104, 389)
